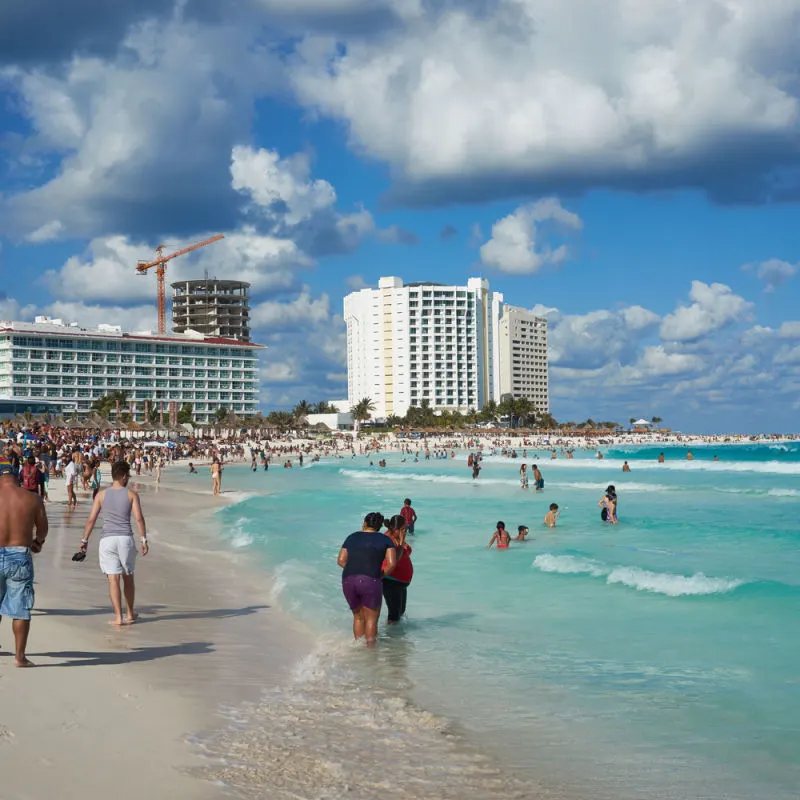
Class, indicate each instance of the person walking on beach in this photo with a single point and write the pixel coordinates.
(21, 513)
(216, 475)
(395, 586)
(117, 550)
(70, 475)
(361, 558)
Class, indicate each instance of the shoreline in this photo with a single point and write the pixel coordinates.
(207, 637)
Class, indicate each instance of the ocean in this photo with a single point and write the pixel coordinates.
(657, 658)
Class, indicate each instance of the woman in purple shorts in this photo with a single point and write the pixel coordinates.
(361, 557)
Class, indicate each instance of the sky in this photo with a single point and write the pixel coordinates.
(629, 169)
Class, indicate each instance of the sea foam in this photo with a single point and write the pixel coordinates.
(642, 580)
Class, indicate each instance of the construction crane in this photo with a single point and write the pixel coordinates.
(161, 267)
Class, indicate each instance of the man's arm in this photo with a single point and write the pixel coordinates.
(41, 525)
(136, 507)
(93, 515)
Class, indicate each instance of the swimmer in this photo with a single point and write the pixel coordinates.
(716, 458)
(551, 517)
(689, 456)
(625, 467)
(192, 470)
(522, 532)
(501, 536)
(660, 458)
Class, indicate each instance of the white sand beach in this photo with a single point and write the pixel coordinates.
(107, 711)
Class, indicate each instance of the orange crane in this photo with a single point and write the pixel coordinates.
(161, 267)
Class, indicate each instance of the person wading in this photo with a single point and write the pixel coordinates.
(117, 547)
(21, 512)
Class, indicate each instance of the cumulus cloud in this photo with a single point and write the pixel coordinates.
(713, 307)
(466, 104)
(106, 270)
(773, 272)
(302, 312)
(515, 246)
(592, 340)
(284, 197)
(142, 140)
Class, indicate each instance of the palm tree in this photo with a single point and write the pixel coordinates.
(323, 407)
(656, 420)
(632, 420)
(362, 411)
(302, 409)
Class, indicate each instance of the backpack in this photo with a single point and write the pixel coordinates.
(30, 477)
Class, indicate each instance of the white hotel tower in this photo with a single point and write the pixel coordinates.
(426, 341)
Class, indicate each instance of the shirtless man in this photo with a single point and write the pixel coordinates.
(21, 513)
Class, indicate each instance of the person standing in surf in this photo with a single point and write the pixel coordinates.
(395, 586)
(538, 480)
(361, 558)
(608, 506)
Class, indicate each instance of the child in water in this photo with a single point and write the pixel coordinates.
(522, 532)
(501, 536)
(551, 517)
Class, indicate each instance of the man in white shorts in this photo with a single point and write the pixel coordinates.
(117, 546)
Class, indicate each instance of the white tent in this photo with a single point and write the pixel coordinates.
(640, 422)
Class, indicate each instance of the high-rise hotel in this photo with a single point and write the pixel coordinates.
(69, 367)
(447, 345)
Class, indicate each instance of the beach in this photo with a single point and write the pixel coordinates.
(649, 659)
(111, 711)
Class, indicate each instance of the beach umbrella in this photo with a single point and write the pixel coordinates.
(640, 422)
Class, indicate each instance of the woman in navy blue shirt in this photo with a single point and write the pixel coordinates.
(362, 559)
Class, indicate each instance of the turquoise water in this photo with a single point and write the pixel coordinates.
(657, 657)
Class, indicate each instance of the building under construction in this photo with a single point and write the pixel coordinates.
(212, 307)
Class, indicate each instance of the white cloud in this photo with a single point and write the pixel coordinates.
(142, 138)
(515, 246)
(302, 312)
(773, 272)
(656, 360)
(47, 232)
(789, 330)
(535, 92)
(281, 184)
(592, 340)
(107, 269)
(279, 371)
(713, 307)
(136, 318)
(356, 283)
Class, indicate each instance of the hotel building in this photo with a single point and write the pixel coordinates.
(72, 367)
(423, 342)
(456, 347)
(523, 357)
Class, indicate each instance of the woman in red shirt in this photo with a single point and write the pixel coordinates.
(395, 586)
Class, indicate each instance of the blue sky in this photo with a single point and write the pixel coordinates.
(633, 174)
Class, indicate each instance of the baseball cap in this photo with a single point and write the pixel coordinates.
(5, 466)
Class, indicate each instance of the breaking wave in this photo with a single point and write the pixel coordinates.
(642, 580)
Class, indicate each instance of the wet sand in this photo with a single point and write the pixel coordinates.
(111, 711)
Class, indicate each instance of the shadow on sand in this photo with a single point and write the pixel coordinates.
(80, 658)
(150, 613)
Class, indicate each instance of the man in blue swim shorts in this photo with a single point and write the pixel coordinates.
(21, 513)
